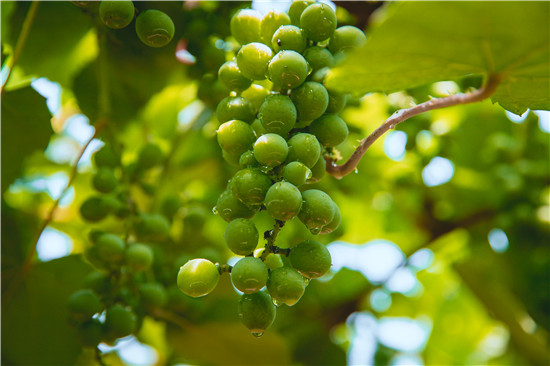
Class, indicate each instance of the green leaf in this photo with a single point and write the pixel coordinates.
(35, 319)
(26, 128)
(423, 42)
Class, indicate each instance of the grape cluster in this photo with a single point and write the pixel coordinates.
(276, 126)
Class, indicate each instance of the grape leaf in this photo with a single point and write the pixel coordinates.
(424, 42)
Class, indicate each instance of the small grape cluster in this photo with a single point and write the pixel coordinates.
(153, 27)
(277, 132)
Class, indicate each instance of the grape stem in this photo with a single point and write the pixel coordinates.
(270, 237)
(224, 268)
(339, 171)
(98, 357)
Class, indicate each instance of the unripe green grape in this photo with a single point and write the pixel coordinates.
(104, 180)
(253, 60)
(249, 275)
(258, 127)
(288, 37)
(255, 94)
(320, 75)
(296, 9)
(288, 69)
(250, 186)
(211, 90)
(333, 225)
(230, 208)
(155, 28)
(152, 226)
(231, 159)
(257, 312)
(241, 236)
(90, 333)
(139, 257)
(171, 205)
(310, 258)
(150, 156)
(120, 321)
(247, 160)
(245, 26)
(116, 14)
(231, 108)
(318, 170)
(318, 57)
(311, 100)
(346, 37)
(330, 130)
(271, 22)
(296, 173)
(336, 103)
(152, 294)
(273, 261)
(235, 137)
(317, 209)
(270, 149)
(283, 201)
(198, 277)
(232, 77)
(278, 114)
(106, 157)
(304, 148)
(97, 281)
(84, 303)
(94, 209)
(286, 285)
(318, 22)
(110, 248)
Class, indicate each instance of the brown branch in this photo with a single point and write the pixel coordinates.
(339, 171)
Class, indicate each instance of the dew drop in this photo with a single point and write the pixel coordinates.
(257, 334)
(215, 210)
(356, 171)
(306, 281)
(276, 302)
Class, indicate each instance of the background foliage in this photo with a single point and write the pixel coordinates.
(442, 256)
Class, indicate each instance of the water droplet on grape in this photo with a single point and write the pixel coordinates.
(356, 171)
(257, 334)
(276, 302)
(215, 210)
(306, 281)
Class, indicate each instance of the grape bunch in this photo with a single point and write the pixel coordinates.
(276, 126)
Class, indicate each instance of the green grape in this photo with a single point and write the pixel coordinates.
(318, 170)
(152, 294)
(271, 22)
(278, 114)
(296, 173)
(310, 258)
(150, 156)
(283, 201)
(286, 285)
(171, 205)
(97, 281)
(320, 75)
(255, 95)
(230, 208)
(330, 130)
(296, 9)
(288, 69)
(231, 108)
(317, 209)
(250, 186)
(152, 226)
(90, 333)
(318, 57)
(257, 312)
(231, 159)
(104, 180)
(258, 127)
(270, 150)
(245, 26)
(116, 14)
(333, 225)
(211, 90)
(235, 137)
(198, 277)
(247, 160)
(336, 103)
(94, 209)
(120, 321)
(139, 257)
(304, 148)
(241, 236)
(311, 100)
(249, 275)
(346, 37)
(110, 248)
(232, 77)
(106, 157)
(318, 22)
(288, 37)
(83, 304)
(155, 28)
(253, 59)
(273, 261)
